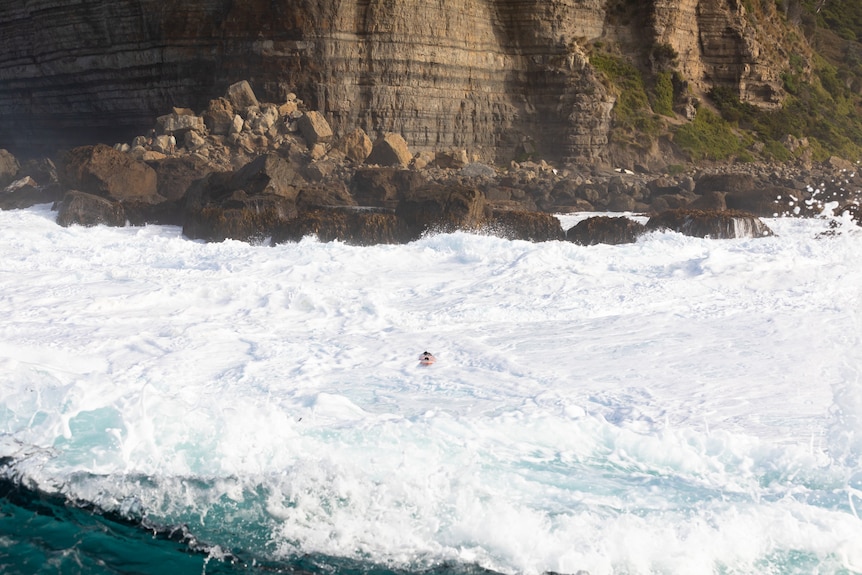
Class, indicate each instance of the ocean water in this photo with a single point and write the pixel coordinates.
(674, 406)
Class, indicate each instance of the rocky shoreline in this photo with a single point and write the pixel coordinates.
(257, 171)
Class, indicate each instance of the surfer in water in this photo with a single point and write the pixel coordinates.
(426, 358)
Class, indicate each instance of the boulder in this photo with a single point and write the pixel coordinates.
(357, 226)
(618, 202)
(666, 202)
(42, 170)
(193, 141)
(241, 96)
(314, 128)
(106, 172)
(175, 174)
(317, 171)
(356, 145)
(524, 225)
(383, 187)
(710, 201)
(390, 150)
(263, 119)
(163, 144)
(269, 174)
(714, 224)
(605, 230)
(218, 117)
(840, 164)
(441, 208)
(327, 193)
(477, 170)
(89, 210)
(178, 125)
(26, 192)
(451, 159)
(236, 125)
(8, 167)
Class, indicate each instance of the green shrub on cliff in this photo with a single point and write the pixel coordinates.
(633, 117)
(662, 101)
(710, 137)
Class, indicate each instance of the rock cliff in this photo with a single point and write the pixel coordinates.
(499, 78)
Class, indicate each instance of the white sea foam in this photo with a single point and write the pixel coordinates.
(678, 405)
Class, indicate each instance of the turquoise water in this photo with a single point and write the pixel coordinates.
(46, 534)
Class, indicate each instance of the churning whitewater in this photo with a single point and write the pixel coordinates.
(678, 405)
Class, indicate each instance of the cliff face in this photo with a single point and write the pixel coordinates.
(497, 77)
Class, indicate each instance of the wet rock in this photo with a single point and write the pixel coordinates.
(106, 172)
(390, 150)
(356, 226)
(605, 230)
(89, 210)
(726, 224)
(852, 211)
(246, 205)
(327, 193)
(167, 213)
(239, 217)
(441, 208)
(26, 192)
(524, 225)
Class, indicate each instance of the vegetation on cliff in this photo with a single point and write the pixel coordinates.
(819, 116)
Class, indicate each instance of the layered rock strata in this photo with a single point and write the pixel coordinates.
(498, 78)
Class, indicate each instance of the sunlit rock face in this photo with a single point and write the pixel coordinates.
(494, 77)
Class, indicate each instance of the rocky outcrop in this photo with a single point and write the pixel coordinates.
(524, 225)
(104, 171)
(89, 210)
(248, 204)
(356, 226)
(710, 224)
(605, 230)
(498, 78)
(441, 208)
(26, 192)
